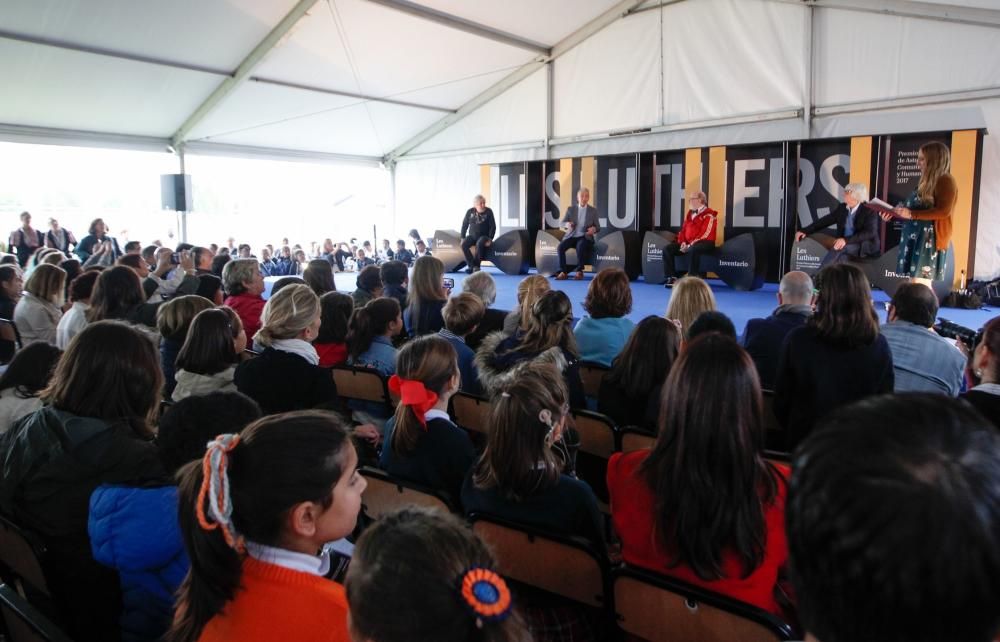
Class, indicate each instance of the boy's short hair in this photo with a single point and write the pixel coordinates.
(893, 523)
(393, 272)
(462, 313)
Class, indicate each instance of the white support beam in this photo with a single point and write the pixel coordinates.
(275, 153)
(909, 9)
(11, 133)
(921, 100)
(243, 71)
(620, 10)
(348, 94)
(468, 26)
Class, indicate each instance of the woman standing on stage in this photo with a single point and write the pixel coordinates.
(923, 245)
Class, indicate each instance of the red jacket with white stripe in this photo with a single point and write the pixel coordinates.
(698, 226)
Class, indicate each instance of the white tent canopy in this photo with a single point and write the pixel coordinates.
(432, 88)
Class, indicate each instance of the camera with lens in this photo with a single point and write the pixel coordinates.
(951, 330)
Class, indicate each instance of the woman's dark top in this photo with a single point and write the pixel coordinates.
(440, 461)
(492, 322)
(282, 382)
(428, 321)
(987, 403)
(628, 409)
(816, 377)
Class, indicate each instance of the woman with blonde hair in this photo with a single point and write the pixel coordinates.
(427, 297)
(287, 376)
(38, 312)
(923, 245)
(530, 289)
(690, 297)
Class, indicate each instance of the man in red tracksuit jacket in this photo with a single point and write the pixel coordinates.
(697, 237)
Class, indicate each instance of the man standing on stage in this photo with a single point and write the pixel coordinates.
(481, 226)
(581, 226)
(697, 237)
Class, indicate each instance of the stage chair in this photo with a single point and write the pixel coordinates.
(470, 412)
(22, 553)
(633, 438)
(361, 384)
(592, 373)
(570, 567)
(24, 623)
(662, 609)
(385, 494)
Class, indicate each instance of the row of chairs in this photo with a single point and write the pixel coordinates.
(24, 587)
(644, 604)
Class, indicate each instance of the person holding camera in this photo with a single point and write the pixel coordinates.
(922, 360)
(581, 226)
(480, 226)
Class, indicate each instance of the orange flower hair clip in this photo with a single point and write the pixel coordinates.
(486, 594)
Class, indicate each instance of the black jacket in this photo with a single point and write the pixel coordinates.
(865, 224)
(479, 224)
(492, 322)
(281, 381)
(497, 363)
(762, 338)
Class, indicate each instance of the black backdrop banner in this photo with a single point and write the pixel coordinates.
(755, 203)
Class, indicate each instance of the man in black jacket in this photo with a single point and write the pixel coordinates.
(763, 337)
(857, 227)
(481, 226)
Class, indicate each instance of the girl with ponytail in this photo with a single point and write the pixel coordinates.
(422, 444)
(369, 338)
(255, 514)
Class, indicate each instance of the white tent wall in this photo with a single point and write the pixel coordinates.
(703, 90)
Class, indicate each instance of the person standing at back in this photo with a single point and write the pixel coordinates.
(59, 238)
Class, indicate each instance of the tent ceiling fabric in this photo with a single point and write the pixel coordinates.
(352, 46)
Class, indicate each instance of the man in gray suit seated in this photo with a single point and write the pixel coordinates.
(581, 227)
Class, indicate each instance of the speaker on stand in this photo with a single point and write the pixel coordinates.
(175, 194)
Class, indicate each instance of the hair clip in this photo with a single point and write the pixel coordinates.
(505, 394)
(486, 594)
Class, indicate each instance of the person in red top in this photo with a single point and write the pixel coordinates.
(255, 515)
(244, 286)
(697, 237)
(335, 315)
(703, 505)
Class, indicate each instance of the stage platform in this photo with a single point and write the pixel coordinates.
(650, 299)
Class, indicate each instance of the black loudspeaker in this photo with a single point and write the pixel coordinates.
(175, 192)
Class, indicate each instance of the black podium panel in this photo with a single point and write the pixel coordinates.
(509, 252)
(618, 249)
(546, 246)
(881, 272)
(448, 248)
(807, 254)
(653, 243)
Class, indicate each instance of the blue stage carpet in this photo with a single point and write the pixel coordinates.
(652, 299)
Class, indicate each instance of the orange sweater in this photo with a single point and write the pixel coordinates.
(276, 603)
(945, 195)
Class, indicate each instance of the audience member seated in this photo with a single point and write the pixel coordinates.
(11, 289)
(762, 338)
(207, 361)
(287, 376)
(118, 295)
(857, 227)
(134, 529)
(529, 290)
(173, 320)
(92, 430)
(483, 286)
(73, 270)
(395, 277)
(335, 316)
(75, 318)
(24, 379)
(369, 286)
(38, 312)
(318, 275)
(403, 254)
(284, 282)
(602, 334)
(984, 366)
(548, 339)
(703, 505)
(370, 337)
(244, 286)
(462, 314)
(837, 357)
(210, 287)
(689, 298)
(218, 265)
(422, 444)
(165, 279)
(526, 423)
(893, 520)
(440, 554)
(630, 392)
(427, 297)
(277, 494)
(712, 321)
(922, 361)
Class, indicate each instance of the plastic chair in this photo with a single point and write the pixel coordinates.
(361, 384)
(598, 435)
(22, 553)
(662, 609)
(386, 494)
(470, 411)
(25, 623)
(636, 439)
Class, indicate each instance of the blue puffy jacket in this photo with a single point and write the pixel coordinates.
(135, 531)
